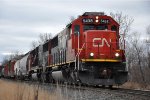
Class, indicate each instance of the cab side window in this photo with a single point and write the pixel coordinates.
(114, 28)
(76, 29)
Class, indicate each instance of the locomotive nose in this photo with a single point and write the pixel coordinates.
(99, 44)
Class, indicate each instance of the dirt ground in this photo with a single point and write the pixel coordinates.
(10, 90)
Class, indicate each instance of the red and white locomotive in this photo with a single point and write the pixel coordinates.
(87, 51)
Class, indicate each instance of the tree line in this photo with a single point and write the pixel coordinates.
(137, 49)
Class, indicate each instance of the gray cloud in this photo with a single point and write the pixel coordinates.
(21, 21)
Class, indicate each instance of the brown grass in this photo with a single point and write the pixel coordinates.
(20, 91)
(134, 85)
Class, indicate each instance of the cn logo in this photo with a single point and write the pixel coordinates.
(100, 42)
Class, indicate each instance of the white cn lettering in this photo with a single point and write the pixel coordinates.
(100, 42)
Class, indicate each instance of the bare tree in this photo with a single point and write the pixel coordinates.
(15, 55)
(148, 30)
(124, 21)
(148, 35)
(72, 18)
(44, 37)
(148, 44)
(138, 55)
(34, 44)
(135, 52)
(138, 51)
(5, 60)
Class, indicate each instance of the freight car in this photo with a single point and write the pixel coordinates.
(8, 69)
(87, 51)
(20, 68)
(1, 72)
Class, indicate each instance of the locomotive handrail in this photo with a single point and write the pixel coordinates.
(80, 50)
(78, 53)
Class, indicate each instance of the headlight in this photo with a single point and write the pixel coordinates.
(117, 54)
(96, 17)
(91, 54)
(96, 20)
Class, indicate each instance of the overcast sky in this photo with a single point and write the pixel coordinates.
(21, 21)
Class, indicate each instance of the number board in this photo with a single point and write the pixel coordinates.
(87, 20)
(104, 21)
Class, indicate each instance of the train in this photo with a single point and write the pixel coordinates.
(87, 51)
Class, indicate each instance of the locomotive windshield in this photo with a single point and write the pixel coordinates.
(102, 27)
(89, 27)
(93, 27)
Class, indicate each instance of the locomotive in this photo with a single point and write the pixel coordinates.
(88, 51)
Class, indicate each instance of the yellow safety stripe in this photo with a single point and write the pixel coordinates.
(100, 60)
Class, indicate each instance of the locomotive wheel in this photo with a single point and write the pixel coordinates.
(43, 77)
(103, 86)
(110, 86)
(49, 78)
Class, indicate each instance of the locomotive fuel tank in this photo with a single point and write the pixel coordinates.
(34, 76)
(59, 76)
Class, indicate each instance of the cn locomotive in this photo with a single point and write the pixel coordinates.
(88, 51)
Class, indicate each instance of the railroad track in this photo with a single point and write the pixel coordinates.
(98, 89)
(95, 92)
(133, 91)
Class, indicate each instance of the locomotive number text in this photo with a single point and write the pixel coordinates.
(87, 20)
(104, 21)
